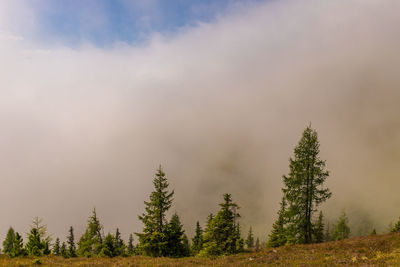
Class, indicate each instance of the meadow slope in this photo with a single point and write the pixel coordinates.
(380, 250)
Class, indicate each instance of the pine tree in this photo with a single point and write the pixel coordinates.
(18, 246)
(119, 246)
(46, 247)
(91, 241)
(319, 229)
(342, 230)
(250, 239)
(71, 243)
(222, 234)
(303, 187)
(239, 244)
(56, 247)
(131, 247)
(108, 249)
(63, 250)
(373, 232)
(396, 227)
(197, 240)
(186, 246)
(34, 246)
(9, 241)
(154, 241)
(278, 236)
(257, 247)
(328, 236)
(175, 235)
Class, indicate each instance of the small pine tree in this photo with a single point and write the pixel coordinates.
(278, 236)
(257, 247)
(131, 247)
(328, 235)
(71, 243)
(319, 229)
(108, 249)
(373, 232)
(9, 241)
(154, 240)
(222, 234)
(186, 246)
(63, 250)
(34, 246)
(250, 239)
(197, 240)
(396, 227)
(119, 246)
(46, 247)
(56, 247)
(342, 230)
(18, 246)
(175, 237)
(90, 243)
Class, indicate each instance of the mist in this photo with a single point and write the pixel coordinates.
(220, 106)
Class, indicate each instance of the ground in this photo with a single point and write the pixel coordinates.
(380, 250)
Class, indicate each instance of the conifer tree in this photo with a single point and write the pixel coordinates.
(154, 240)
(328, 233)
(342, 230)
(56, 247)
(63, 250)
(250, 239)
(319, 229)
(186, 246)
(278, 236)
(18, 246)
(239, 240)
(175, 235)
(257, 247)
(303, 189)
(373, 232)
(34, 246)
(119, 246)
(222, 234)
(131, 247)
(46, 247)
(197, 240)
(396, 227)
(9, 241)
(91, 241)
(108, 248)
(71, 243)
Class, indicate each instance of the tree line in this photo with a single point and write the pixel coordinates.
(297, 221)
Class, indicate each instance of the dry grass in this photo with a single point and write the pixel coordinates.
(381, 250)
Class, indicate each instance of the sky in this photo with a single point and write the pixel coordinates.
(94, 95)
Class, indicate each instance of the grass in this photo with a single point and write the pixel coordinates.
(379, 250)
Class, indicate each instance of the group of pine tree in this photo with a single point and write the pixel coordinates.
(297, 222)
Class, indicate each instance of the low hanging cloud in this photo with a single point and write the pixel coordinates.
(220, 105)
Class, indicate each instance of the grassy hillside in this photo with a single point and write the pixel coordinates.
(380, 250)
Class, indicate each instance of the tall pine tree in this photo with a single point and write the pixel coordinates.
(303, 189)
(91, 241)
(71, 243)
(154, 240)
(197, 240)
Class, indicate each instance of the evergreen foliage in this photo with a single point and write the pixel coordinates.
(303, 188)
(197, 240)
(396, 227)
(56, 247)
(319, 229)
(131, 247)
(342, 230)
(154, 240)
(257, 246)
(90, 243)
(71, 243)
(278, 236)
(34, 246)
(8, 243)
(222, 235)
(373, 232)
(175, 238)
(250, 239)
(63, 250)
(18, 246)
(108, 248)
(119, 246)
